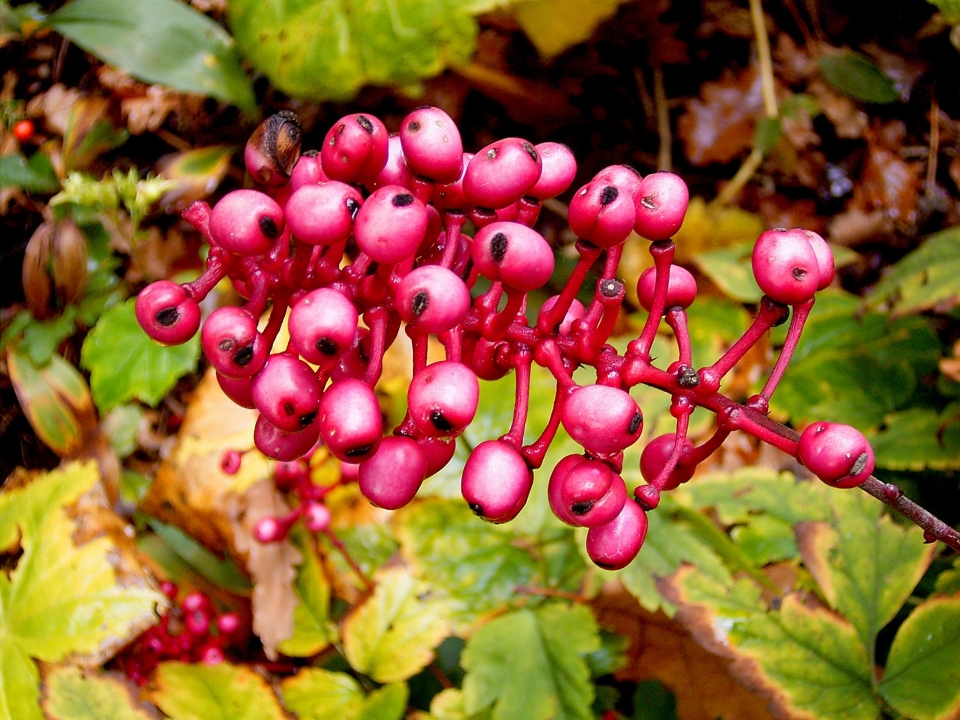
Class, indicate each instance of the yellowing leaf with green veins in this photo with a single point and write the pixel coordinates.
(392, 635)
(125, 364)
(476, 564)
(529, 664)
(927, 278)
(214, 692)
(922, 676)
(60, 601)
(316, 694)
(809, 662)
(71, 694)
(312, 629)
(555, 25)
(865, 564)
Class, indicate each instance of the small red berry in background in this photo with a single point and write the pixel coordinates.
(23, 130)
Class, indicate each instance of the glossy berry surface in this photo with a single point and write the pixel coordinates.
(246, 222)
(232, 343)
(355, 149)
(786, 266)
(615, 544)
(432, 299)
(837, 454)
(392, 475)
(502, 173)
(662, 200)
(513, 253)
(681, 288)
(442, 398)
(350, 422)
(496, 481)
(323, 214)
(603, 419)
(286, 392)
(390, 225)
(167, 314)
(431, 144)
(323, 324)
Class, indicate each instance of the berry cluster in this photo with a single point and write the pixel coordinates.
(367, 237)
(191, 631)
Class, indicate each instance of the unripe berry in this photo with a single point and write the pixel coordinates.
(661, 204)
(558, 168)
(496, 481)
(602, 419)
(390, 225)
(592, 494)
(837, 454)
(391, 477)
(655, 456)
(323, 214)
(502, 173)
(432, 145)
(681, 288)
(323, 325)
(166, 314)
(246, 222)
(442, 398)
(614, 545)
(432, 299)
(232, 343)
(513, 253)
(350, 421)
(286, 392)
(355, 149)
(601, 214)
(785, 266)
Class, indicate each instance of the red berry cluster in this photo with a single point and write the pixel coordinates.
(191, 631)
(367, 237)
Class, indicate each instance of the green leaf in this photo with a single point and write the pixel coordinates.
(949, 8)
(857, 77)
(839, 344)
(329, 50)
(652, 701)
(161, 41)
(927, 278)
(35, 175)
(71, 694)
(312, 629)
(922, 677)
(147, 372)
(392, 635)
(807, 661)
(316, 694)
(60, 600)
(866, 565)
(555, 25)
(730, 270)
(214, 692)
(42, 338)
(948, 582)
(529, 664)
(767, 134)
(221, 572)
(477, 565)
(121, 426)
(369, 544)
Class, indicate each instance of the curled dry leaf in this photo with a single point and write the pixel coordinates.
(54, 105)
(144, 107)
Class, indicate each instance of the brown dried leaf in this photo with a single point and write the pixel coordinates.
(891, 183)
(663, 650)
(55, 105)
(856, 225)
(849, 121)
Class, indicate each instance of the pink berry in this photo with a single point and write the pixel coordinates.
(442, 398)
(438, 452)
(355, 149)
(601, 214)
(286, 392)
(623, 177)
(615, 544)
(559, 472)
(166, 314)
(661, 204)
(824, 257)
(307, 171)
(432, 299)
(496, 481)
(246, 222)
(391, 477)
(282, 445)
(681, 288)
(602, 419)
(785, 266)
(323, 214)
(391, 224)
(655, 456)
(432, 145)
(513, 253)
(837, 454)
(591, 493)
(228, 623)
(574, 313)
(269, 530)
(350, 421)
(323, 324)
(237, 389)
(396, 171)
(558, 169)
(232, 343)
(502, 173)
(316, 516)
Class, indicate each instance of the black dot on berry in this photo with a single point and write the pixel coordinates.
(307, 419)
(608, 195)
(402, 199)
(413, 126)
(289, 409)
(268, 226)
(492, 154)
(635, 422)
(582, 508)
(648, 202)
(357, 451)
(225, 345)
(440, 422)
(420, 302)
(243, 356)
(353, 207)
(477, 510)
(799, 273)
(327, 346)
(605, 566)
(364, 122)
(860, 464)
(610, 288)
(498, 246)
(531, 151)
(168, 316)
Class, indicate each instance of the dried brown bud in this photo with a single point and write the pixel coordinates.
(54, 268)
(274, 148)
